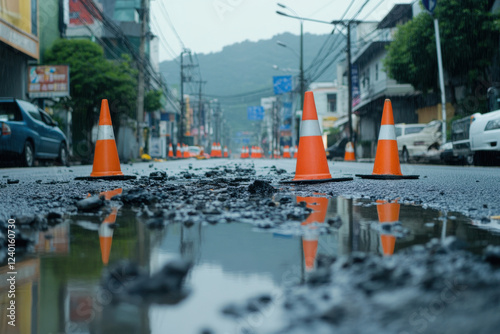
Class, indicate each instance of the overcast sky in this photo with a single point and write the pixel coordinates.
(206, 26)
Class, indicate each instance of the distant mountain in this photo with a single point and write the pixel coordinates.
(240, 74)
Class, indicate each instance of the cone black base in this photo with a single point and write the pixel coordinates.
(106, 178)
(388, 177)
(339, 179)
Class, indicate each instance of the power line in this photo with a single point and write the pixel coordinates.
(373, 9)
(315, 62)
(169, 21)
(163, 41)
(360, 9)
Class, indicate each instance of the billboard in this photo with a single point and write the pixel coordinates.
(48, 81)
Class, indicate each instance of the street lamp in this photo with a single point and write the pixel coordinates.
(286, 46)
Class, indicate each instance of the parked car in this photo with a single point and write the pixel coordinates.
(485, 137)
(403, 129)
(423, 145)
(448, 156)
(337, 150)
(29, 133)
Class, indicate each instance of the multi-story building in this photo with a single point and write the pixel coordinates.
(19, 45)
(331, 105)
(374, 85)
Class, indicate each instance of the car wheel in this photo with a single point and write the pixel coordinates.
(63, 155)
(405, 156)
(469, 159)
(28, 157)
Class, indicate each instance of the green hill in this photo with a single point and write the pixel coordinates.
(240, 74)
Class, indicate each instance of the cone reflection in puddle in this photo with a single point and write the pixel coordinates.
(319, 206)
(105, 230)
(388, 213)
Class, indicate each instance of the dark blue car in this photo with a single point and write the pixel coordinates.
(28, 133)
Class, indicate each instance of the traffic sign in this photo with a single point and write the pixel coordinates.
(430, 5)
(282, 84)
(255, 113)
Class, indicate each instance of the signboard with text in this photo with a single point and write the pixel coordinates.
(48, 81)
(356, 94)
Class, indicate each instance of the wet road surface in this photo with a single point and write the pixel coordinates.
(250, 254)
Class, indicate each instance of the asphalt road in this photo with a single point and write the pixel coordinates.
(472, 191)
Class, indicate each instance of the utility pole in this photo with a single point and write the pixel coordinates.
(182, 120)
(302, 88)
(200, 106)
(144, 13)
(349, 83)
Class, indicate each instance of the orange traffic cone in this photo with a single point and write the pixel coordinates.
(213, 150)
(387, 165)
(186, 153)
(388, 213)
(349, 152)
(170, 151)
(286, 152)
(178, 152)
(312, 166)
(106, 161)
(106, 235)
(225, 152)
(295, 152)
(219, 150)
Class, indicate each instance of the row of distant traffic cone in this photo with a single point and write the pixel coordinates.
(255, 153)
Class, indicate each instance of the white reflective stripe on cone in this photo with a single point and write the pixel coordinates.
(387, 132)
(309, 128)
(105, 132)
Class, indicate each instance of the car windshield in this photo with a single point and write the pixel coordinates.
(411, 129)
(46, 118)
(398, 131)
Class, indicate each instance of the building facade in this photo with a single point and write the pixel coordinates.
(19, 45)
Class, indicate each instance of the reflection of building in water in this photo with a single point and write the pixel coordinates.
(26, 297)
(54, 241)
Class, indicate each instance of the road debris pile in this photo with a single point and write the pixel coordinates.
(436, 288)
(127, 282)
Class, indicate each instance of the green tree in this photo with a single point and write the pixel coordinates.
(469, 40)
(93, 78)
(153, 100)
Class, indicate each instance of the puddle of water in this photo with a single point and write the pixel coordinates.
(57, 283)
